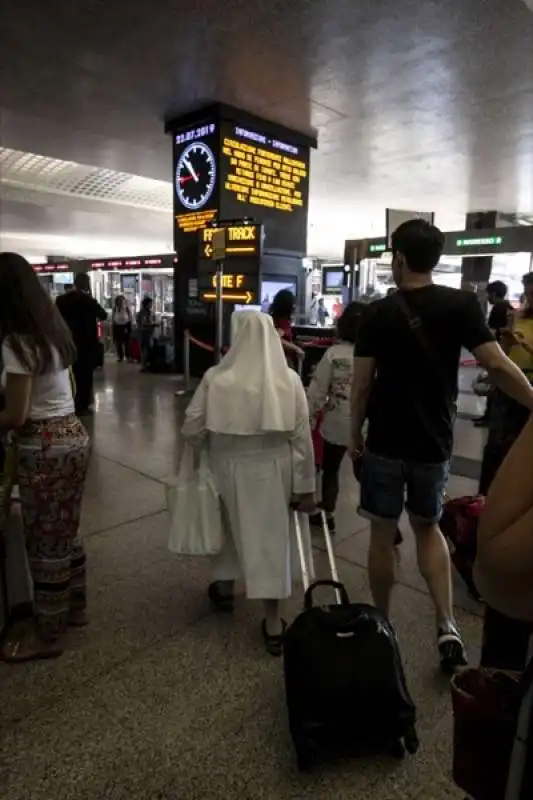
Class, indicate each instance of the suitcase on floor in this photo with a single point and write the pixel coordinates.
(161, 357)
(459, 522)
(135, 350)
(345, 686)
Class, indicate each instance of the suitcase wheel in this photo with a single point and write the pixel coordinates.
(304, 757)
(397, 749)
(411, 740)
(305, 762)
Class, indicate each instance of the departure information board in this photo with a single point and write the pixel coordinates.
(229, 165)
(266, 179)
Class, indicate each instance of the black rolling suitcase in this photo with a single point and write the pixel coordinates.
(345, 685)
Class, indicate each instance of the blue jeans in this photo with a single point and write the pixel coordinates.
(387, 485)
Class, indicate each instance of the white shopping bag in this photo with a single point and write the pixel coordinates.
(195, 510)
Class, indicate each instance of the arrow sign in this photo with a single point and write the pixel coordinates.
(244, 297)
(208, 249)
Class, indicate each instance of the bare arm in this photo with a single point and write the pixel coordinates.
(504, 374)
(363, 378)
(290, 347)
(504, 564)
(17, 394)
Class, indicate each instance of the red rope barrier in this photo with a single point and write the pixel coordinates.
(324, 343)
(203, 345)
(317, 343)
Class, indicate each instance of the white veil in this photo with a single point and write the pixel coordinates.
(252, 390)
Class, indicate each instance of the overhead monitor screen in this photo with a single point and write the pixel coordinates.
(64, 277)
(271, 286)
(195, 176)
(268, 180)
(333, 279)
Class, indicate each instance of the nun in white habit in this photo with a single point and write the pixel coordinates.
(251, 412)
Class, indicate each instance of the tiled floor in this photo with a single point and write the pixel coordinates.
(158, 699)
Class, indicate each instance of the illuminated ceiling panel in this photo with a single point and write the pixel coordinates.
(28, 171)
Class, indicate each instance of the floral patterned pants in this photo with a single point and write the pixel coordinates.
(52, 457)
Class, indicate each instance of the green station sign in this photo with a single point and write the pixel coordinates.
(484, 241)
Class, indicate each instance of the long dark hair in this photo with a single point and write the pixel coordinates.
(283, 306)
(29, 320)
(348, 322)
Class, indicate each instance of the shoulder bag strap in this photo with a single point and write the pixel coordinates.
(415, 323)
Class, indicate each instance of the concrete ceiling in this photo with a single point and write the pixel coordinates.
(417, 104)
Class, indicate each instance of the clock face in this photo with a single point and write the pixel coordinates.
(195, 176)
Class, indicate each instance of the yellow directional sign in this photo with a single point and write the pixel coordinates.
(231, 281)
(241, 240)
(234, 297)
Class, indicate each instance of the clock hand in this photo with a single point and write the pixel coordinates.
(186, 178)
(191, 169)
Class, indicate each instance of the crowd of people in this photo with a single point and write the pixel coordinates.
(385, 392)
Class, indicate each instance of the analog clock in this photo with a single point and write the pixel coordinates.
(195, 176)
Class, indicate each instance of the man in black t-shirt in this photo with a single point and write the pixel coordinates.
(405, 380)
(82, 312)
(500, 318)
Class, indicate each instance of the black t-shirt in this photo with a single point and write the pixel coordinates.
(81, 313)
(499, 317)
(412, 405)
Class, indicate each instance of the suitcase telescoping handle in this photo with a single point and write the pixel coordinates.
(340, 591)
(519, 756)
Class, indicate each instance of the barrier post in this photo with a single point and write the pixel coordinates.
(219, 312)
(186, 366)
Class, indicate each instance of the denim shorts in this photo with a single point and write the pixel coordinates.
(388, 485)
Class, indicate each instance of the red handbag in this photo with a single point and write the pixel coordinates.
(486, 707)
(459, 522)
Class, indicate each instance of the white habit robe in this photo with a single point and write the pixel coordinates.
(256, 476)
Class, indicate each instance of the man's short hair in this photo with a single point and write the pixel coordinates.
(498, 289)
(527, 279)
(420, 243)
(82, 282)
